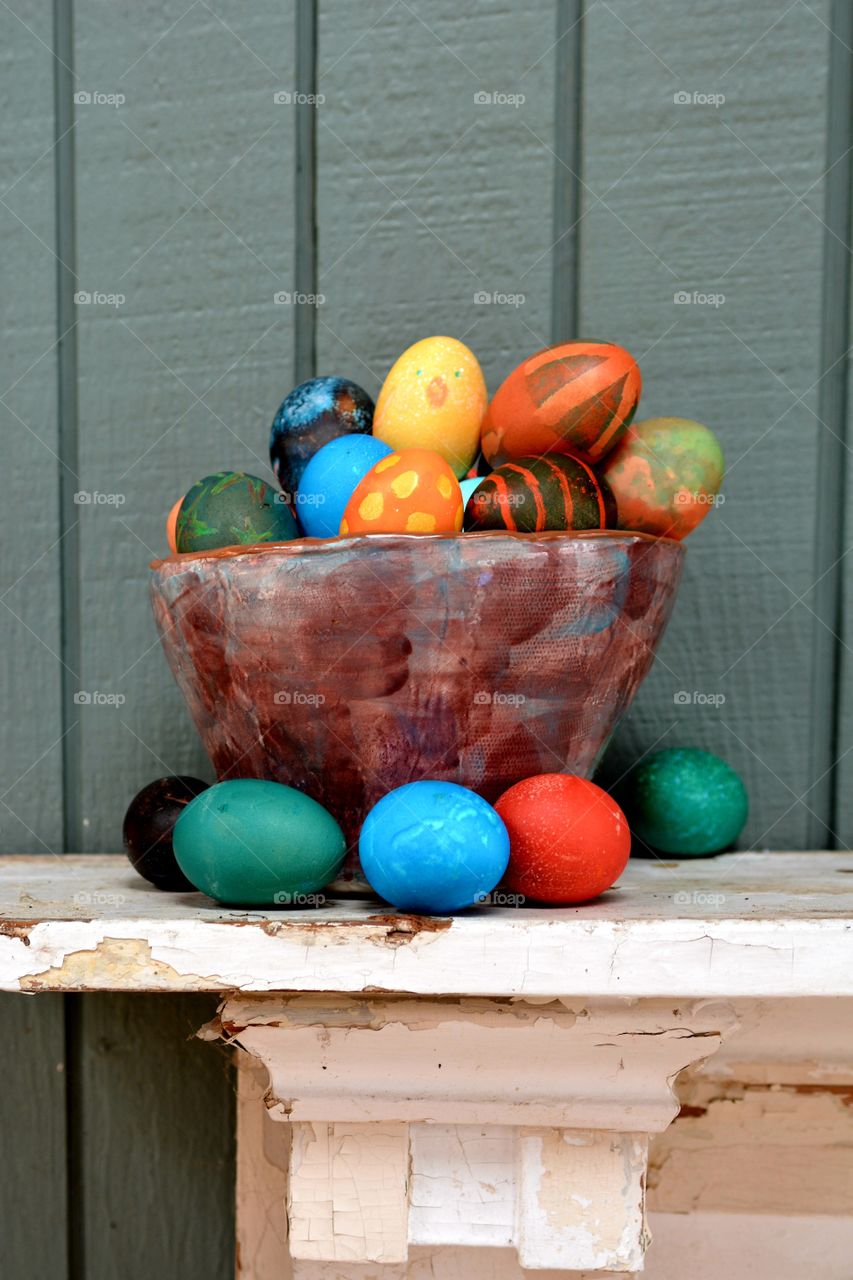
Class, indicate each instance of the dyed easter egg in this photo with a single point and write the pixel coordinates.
(148, 825)
(568, 839)
(229, 509)
(172, 527)
(413, 491)
(434, 398)
(685, 801)
(433, 847)
(576, 397)
(478, 468)
(665, 474)
(468, 486)
(258, 844)
(329, 479)
(532, 494)
(314, 413)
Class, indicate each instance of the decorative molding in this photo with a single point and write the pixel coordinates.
(482, 1123)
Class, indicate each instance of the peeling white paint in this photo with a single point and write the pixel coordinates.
(784, 929)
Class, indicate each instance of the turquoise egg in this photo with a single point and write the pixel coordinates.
(433, 847)
(329, 479)
(684, 801)
(257, 844)
(468, 487)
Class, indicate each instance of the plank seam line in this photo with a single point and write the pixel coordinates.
(69, 571)
(568, 125)
(305, 202)
(68, 442)
(830, 524)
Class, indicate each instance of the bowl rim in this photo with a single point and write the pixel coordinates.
(375, 541)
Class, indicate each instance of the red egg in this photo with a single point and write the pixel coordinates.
(576, 397)
(568, 839)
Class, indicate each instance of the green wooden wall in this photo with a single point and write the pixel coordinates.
(588, 164)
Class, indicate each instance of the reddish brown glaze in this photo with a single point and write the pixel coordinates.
(349, 666)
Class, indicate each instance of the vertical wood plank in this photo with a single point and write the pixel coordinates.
(185, 166)
(688, 196)
(435, 182)
(185, 169)
(155, 1122)
(32, 1100)
(30, 728)
(33, 1218)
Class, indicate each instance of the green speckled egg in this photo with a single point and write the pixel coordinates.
(685, 801)
(258, 844)
(665, 474)
(229, 509)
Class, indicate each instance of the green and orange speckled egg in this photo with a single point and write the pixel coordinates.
(412, 491)
(172, 526)
(535, 494)
(575, 397)
(665, 476)
(434, 398)
(231, 508)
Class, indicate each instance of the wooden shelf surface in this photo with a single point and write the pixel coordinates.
(748, 924)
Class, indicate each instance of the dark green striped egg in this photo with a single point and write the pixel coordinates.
(530, 495)
(232, 508)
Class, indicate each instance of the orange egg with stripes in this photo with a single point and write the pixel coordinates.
(532, 495)
(576, 397)
(411, 491)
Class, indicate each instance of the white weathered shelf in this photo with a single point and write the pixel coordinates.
(751, 924)
(487, 1082)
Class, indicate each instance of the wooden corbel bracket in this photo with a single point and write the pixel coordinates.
(482, 1122)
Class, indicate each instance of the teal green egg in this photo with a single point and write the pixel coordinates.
(685, 801)
(230, 509)
(258, 844)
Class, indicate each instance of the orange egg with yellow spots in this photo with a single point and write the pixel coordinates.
(434, 398)
(412, 491)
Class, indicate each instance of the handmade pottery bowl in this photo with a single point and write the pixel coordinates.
(349, 666)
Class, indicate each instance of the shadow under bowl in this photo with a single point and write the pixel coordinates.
(349, 666)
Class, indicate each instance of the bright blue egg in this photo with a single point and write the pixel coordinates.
(329, 479)
(433, 847)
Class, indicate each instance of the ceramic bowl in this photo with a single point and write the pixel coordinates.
(349, 666)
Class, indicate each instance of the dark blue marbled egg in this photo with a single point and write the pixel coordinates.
(314, 413)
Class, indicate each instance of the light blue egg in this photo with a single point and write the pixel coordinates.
(329, 479)
(433, 847)
(468, 487)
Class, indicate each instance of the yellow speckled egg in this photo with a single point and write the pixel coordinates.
(434, 398)
(412, 491)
